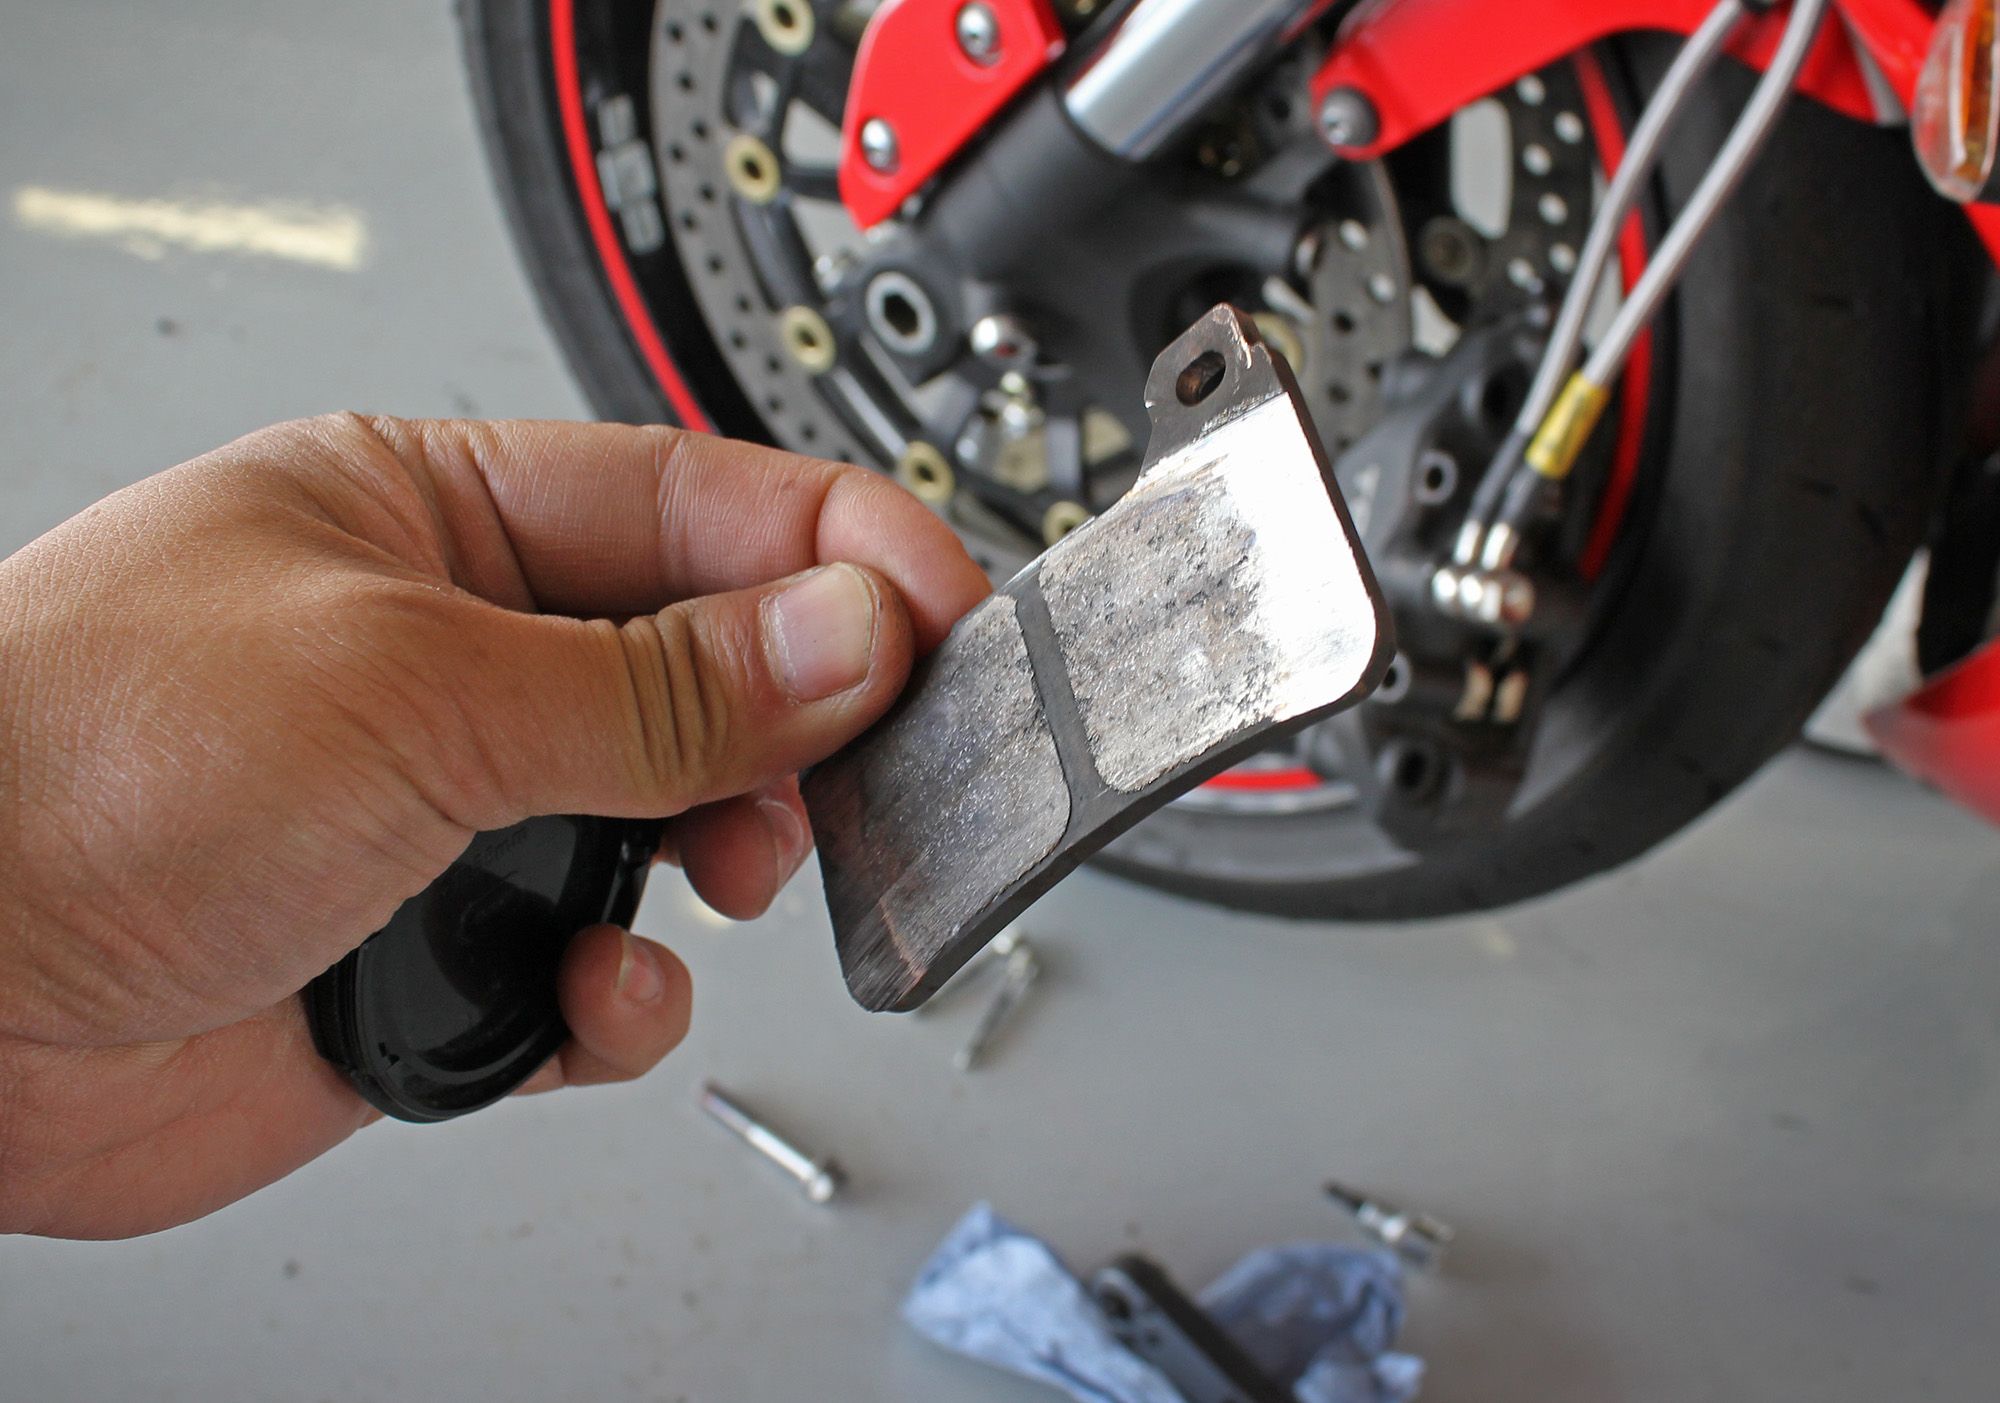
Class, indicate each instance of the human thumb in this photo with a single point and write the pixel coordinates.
(706, 699)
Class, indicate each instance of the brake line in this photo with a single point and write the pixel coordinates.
(1555, 423)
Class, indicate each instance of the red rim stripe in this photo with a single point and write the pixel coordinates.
(597, 214)
(1243, 781)
(1638, 380)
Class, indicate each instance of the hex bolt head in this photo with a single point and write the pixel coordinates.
(1347, 118)
(878, 145)
(1002, 340)
(979, 34)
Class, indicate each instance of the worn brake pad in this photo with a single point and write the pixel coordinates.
(1220, 604)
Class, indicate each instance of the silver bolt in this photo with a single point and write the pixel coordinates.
(979, 34)
(1001, 340)
(1417, 1238)
(1347, 118)
(1023, 967)
(878, 145)
(818, 1179)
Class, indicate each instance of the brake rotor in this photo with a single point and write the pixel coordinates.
(747, 103)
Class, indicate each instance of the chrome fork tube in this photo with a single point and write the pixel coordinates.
(1164, 62)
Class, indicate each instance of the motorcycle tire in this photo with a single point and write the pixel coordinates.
(1816, 347)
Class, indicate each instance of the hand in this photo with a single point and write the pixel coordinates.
(249, 706)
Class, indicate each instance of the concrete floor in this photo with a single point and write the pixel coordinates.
(1724, 1125)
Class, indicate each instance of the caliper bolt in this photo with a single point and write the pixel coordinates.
(1347, 118)
(878, 145)
(818, 1179)
(979, 34)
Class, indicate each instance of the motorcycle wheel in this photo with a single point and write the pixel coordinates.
(1804, 380)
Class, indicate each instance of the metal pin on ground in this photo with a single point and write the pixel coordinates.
(1022, 967)
(818, 1179)
(1417, 1238)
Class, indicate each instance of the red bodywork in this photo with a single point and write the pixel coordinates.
(911, 73)
(1948, 732)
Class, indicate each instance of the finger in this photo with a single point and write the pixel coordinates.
(740, 852)
(627, 1002)
(614, 519)
(703, 701)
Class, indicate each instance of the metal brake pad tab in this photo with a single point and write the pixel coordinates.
(1220, 604)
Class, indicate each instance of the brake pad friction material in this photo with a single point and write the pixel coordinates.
(1220, 604)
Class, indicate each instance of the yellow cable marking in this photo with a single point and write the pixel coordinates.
(1563, 434)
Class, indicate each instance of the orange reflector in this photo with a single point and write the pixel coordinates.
(1956, 123)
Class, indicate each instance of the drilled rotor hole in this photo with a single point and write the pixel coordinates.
(708, 23)
(675, 153)
(1343, 322)
(1201, 379)
(1339, 393)
(686, 81)
(675, 32)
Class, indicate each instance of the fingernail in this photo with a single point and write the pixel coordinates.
(821, 632)
(788, 835)
(640, 979)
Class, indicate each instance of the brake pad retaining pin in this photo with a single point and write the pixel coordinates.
(818, 1179)
(1023, 967)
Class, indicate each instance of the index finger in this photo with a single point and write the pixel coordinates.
(618, 519)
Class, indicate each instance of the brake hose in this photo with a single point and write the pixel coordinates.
(1554, 424)
(1642, 152)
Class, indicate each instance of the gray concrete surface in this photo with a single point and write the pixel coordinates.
(1725, 1125)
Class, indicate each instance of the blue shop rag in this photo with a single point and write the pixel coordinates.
(1317, 1315)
